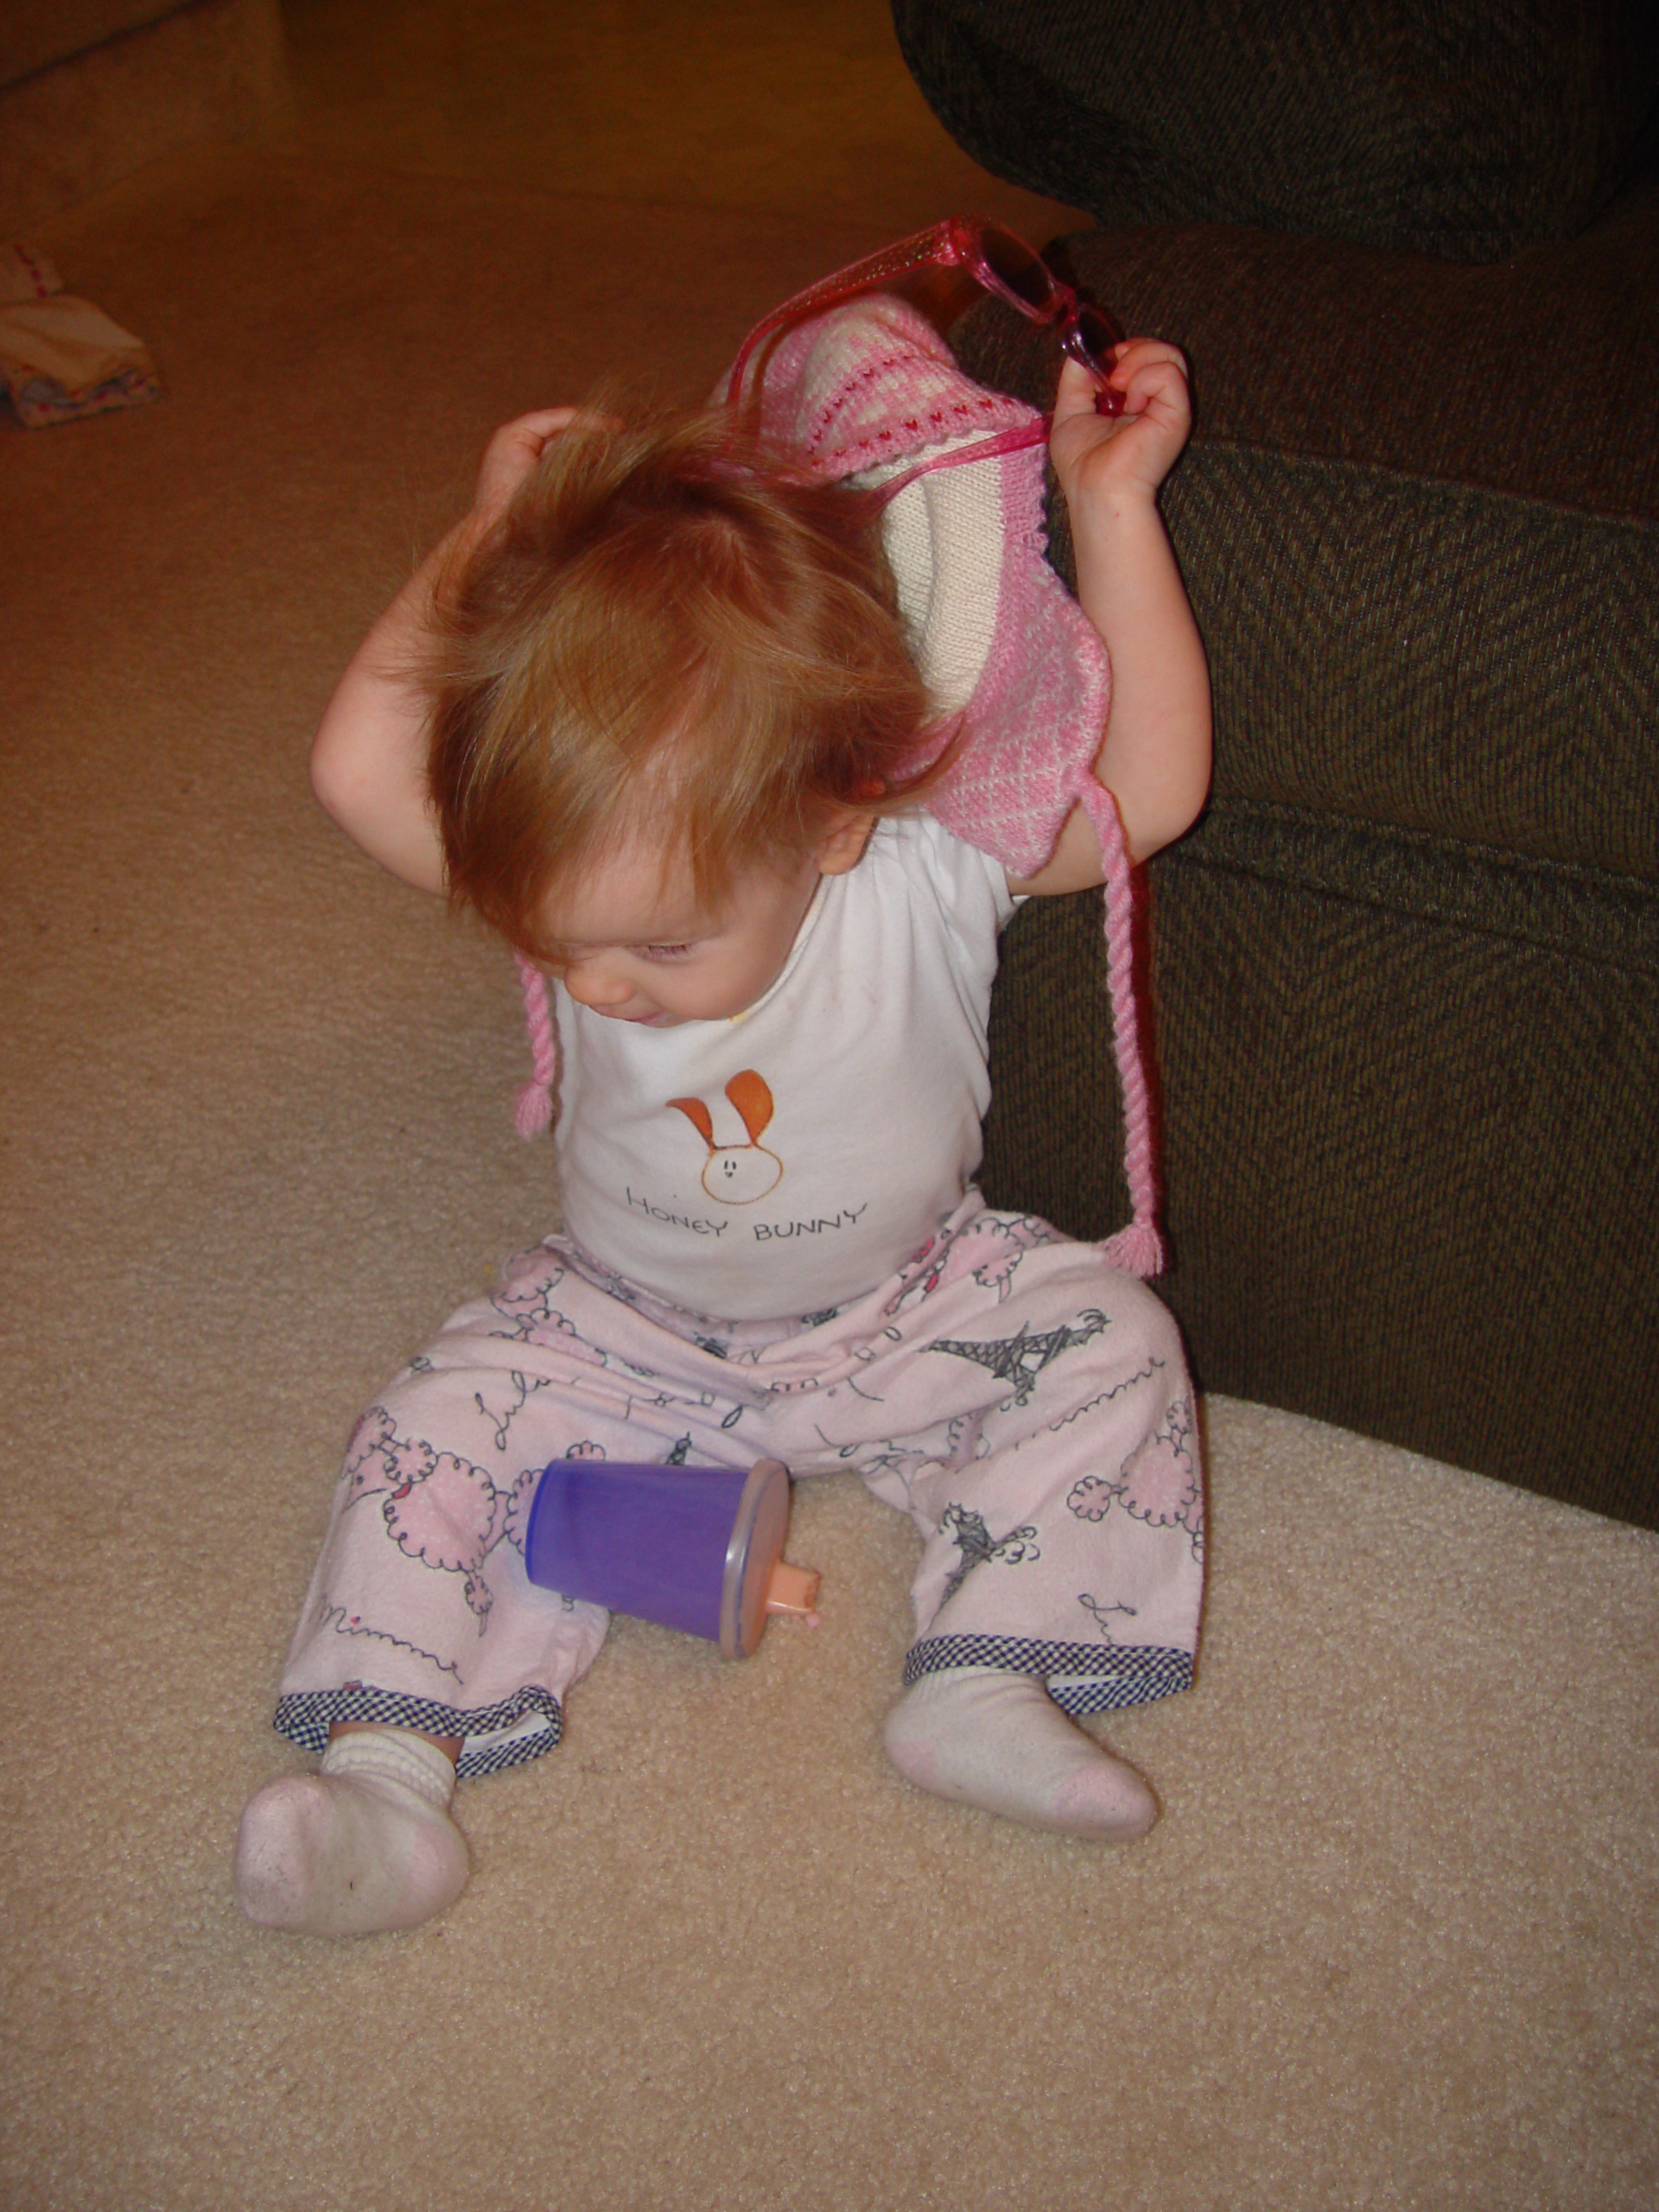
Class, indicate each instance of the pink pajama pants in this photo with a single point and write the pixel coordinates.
(1028, 1407)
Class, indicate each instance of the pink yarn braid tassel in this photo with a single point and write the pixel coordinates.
(1138, 1249)
(534, 1114)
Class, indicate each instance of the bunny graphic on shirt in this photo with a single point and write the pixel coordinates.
(738, 1174)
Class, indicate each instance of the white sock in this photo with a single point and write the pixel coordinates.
(981, 1737)
(364, 1844)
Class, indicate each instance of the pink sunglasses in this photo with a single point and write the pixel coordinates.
(998, 260)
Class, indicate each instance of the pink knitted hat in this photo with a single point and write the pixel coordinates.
(870, 392)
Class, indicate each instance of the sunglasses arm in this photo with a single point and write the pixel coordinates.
(933, 248)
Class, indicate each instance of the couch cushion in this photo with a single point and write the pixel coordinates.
(1452, 127)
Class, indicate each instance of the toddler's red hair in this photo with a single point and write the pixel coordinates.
(671, 632)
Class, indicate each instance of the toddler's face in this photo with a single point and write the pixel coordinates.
(640, 945)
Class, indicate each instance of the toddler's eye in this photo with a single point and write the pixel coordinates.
(666, 952)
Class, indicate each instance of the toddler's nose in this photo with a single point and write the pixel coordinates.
(589, 984)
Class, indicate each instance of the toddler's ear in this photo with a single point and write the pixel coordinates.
(843, 844)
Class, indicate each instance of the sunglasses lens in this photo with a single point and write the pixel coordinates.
(1013, 264)
(1096, 335)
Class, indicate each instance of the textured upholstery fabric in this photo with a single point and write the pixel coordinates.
(1405, 972)
(1461, 128)
(1409, 1148)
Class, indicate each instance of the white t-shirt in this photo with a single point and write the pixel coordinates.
(789, 1160)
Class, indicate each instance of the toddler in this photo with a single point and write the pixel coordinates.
(650, 710)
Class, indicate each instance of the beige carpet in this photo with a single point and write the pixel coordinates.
(1394, 1943)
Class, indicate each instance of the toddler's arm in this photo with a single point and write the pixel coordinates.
(1155, 756)
(368, 758)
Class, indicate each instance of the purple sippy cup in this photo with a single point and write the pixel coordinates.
(698, 1548)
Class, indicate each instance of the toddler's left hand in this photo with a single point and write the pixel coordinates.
(1099, 455)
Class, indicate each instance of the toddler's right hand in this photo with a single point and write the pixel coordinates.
(512, 453)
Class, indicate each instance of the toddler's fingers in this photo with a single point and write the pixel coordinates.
(1148, 349)
(1141, 356)
(514, 449)
(528, 434)
(540, 422)
(1075, 394)
(1153, 378)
